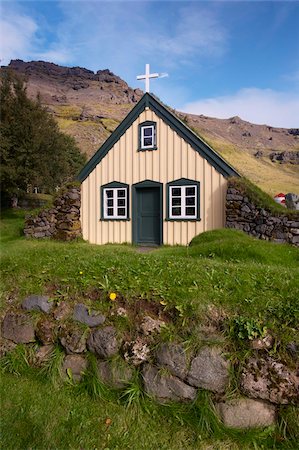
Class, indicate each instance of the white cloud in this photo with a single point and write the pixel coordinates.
(17, 33)
(260, 106)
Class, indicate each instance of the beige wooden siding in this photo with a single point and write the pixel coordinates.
(174, 159)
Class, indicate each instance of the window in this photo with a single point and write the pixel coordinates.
(147, 136)
(115, 201)
(183, 200)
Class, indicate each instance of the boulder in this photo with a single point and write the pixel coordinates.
(246, 413)
(268, 379)
(136, 352)
(18, 327)
(90, 318)
(116, 374)
(37, 303)
(103, 342)
(74, 365)
(292, 201)
(173, 357)
(165, 387)
(46, 331)
(209, 370)
(73, 340)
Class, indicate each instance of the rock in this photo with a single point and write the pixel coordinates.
(292, 201)
(74, 365)
(116, 373)
(151, 326)
(136, 352)
(293, 349)
(209, 370)
(246, 413)
(173, 357)
(18, 327)
(165, 387)
(46, 331)
(259, 154)
(6, 346)
(43, 354)
(103, 342)
(285, 157)
(37, 303)
(90, 318)
(73, 340)
(267, 379)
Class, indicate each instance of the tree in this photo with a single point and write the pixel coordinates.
(33, 150)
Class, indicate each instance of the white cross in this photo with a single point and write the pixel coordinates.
(147, 77)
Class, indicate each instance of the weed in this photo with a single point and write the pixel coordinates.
(52, 368)
(18, 361)
(243, 328)
(133, 394)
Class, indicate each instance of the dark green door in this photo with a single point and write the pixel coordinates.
(148, 220)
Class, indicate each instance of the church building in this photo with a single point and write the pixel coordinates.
(153, 182)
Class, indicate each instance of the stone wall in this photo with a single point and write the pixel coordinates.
(168, 371)
(243, 214)
(62, 221)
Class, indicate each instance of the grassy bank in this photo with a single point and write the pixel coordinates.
(238, 275)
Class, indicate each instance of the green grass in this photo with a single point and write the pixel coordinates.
(225, 268)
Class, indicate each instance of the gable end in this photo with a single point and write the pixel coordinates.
(177, 125)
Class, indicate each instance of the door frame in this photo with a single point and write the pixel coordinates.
(141, 185)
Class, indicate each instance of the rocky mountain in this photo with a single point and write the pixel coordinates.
(90, 105)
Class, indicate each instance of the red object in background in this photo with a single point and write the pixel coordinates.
(280, 198)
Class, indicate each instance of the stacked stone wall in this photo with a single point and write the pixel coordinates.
(62, 221)
(167, 371)
(243, 214)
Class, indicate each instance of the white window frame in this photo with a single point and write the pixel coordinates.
(143, 137)
(183, 205)
(115, 207)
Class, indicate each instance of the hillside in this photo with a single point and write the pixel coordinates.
(89, 106)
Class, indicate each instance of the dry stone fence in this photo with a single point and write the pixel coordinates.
(168, 371)
(62, 221)
(242, 213)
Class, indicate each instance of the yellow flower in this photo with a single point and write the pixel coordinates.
(112, 296)
(81, 273)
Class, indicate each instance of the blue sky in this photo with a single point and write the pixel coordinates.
(223, 58)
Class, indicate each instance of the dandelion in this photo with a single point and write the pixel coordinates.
(81, 273)
(112, 296)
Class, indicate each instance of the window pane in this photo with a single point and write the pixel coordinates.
(121, 193)
(110, 202)
(190, 211)
(176, 211)
(176, 192)
(109, 193)
(190, 191)
(176, 201)
(147, 131)
(110, 212)
(121, 202)
(190, 201)
(121, 211)
(147, 141)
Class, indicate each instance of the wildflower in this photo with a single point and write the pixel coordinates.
(112, 296)
(81, 273)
